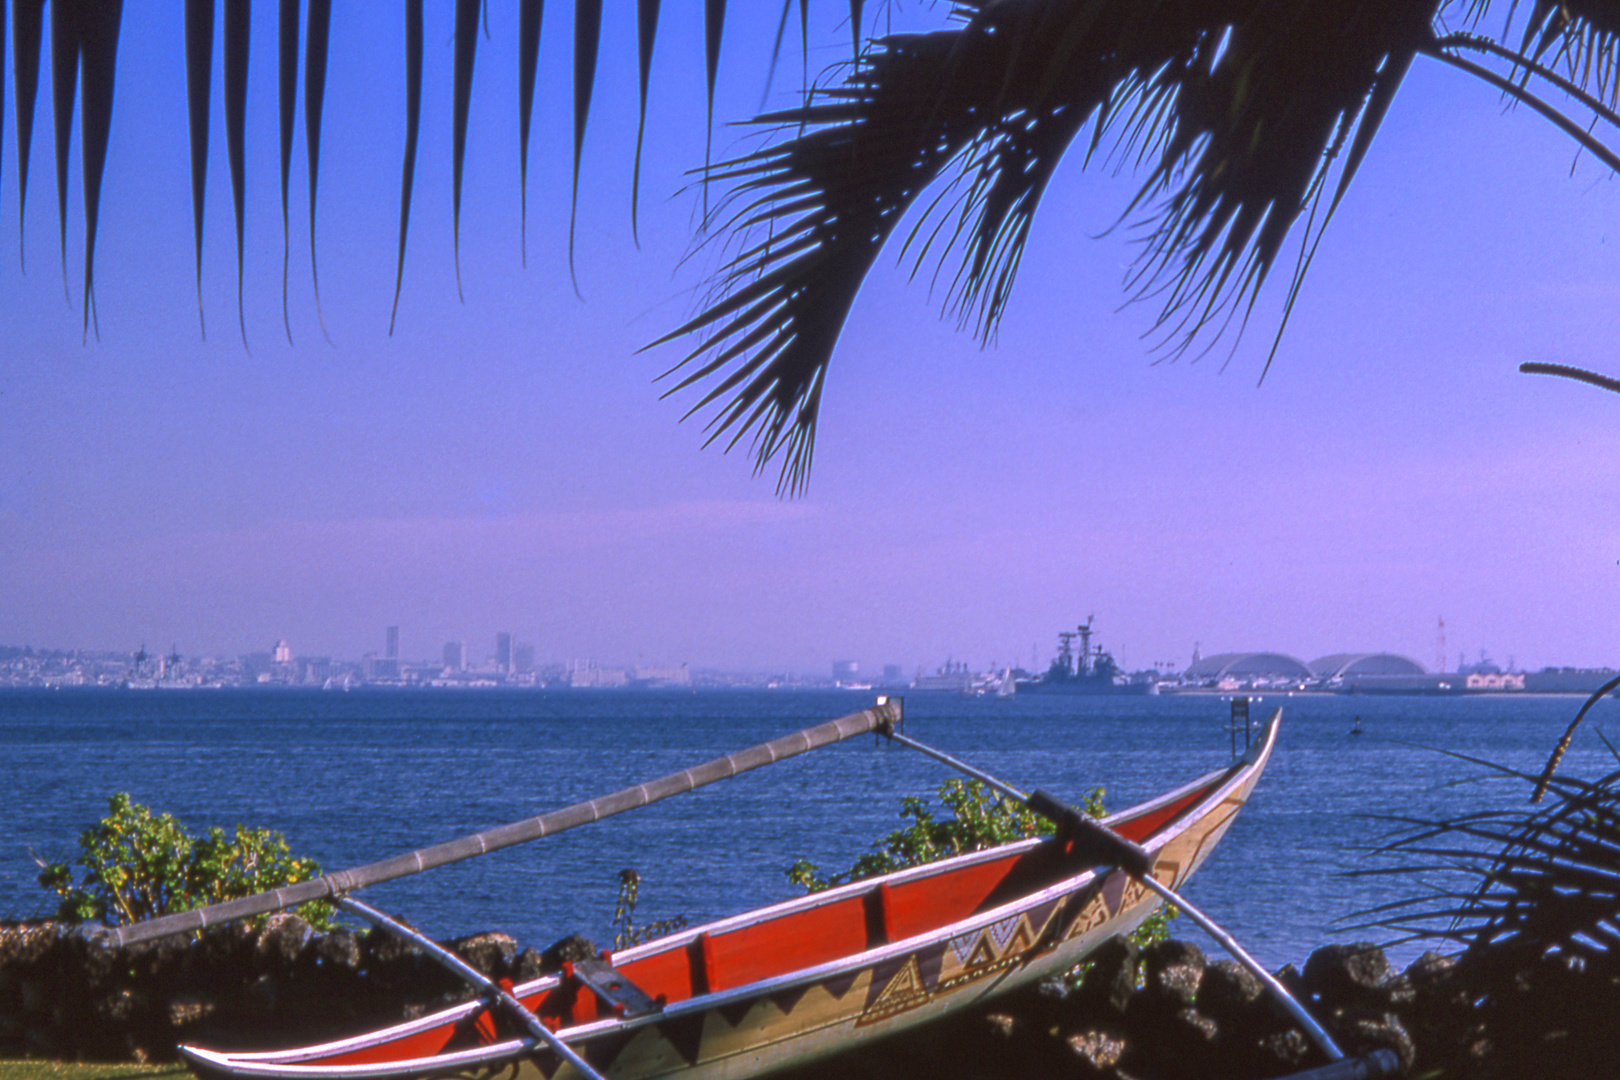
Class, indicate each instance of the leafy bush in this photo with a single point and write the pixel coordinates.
(980, 818)
(139, 865)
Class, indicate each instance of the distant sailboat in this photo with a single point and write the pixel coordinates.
(1007, 687)
(1357, 729)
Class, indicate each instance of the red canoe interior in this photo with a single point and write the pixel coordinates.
(797, 940)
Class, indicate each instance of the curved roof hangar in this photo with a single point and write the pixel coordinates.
(1350, 665)
(1254, 665)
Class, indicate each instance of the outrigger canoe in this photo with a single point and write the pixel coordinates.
(807, 978)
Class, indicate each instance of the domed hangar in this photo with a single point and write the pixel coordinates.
(1242, 671)
(1342, 666)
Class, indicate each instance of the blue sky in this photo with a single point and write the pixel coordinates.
(507, 463)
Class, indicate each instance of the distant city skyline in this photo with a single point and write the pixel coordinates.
(510, 654)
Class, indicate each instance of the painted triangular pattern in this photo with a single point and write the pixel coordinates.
(685, 1034)
(734, 1012)
(787, 999)
(1001, 931)
(1041, 914)
(1091, 916)
(883, 973)
(839, 985)
(982, 953)
(601, 1052)
(963, 946)
(906, 984)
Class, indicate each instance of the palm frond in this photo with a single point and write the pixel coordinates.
(530, 13)
(1516, 885)
(98, 46)
(817, 209)
(587, 40)
(1237, 111)
(466, 54)
(1532, 898)
(287, 88)
(238, 26)
(646, 33)
(199, 80)
(413, 130)
(27, 30)
(1244, 117)
(317, 49)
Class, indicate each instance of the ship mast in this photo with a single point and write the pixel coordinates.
(1065, 649)
(1085, 647)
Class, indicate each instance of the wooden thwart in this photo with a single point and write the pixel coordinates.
(885, 713)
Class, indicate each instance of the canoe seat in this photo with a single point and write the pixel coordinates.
(617, 992)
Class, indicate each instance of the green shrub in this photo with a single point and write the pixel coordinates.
(980, 818)
(139, 865)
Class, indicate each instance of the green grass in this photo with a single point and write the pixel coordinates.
(75, 1070)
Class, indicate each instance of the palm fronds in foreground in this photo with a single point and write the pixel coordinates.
(1532, 897)
(1244, 120)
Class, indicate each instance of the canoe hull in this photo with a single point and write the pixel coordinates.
(807, 1014)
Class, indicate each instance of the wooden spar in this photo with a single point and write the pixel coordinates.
(885, 712)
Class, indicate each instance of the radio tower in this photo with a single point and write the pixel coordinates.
(1440, 647)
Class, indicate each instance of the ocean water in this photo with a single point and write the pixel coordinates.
(351, 778)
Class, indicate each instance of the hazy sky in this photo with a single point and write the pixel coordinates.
(507, 463)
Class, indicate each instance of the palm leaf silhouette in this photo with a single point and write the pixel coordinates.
(1246, 119)
(1532, 898)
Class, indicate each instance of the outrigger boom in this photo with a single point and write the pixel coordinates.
(886, 713)
(802, 979)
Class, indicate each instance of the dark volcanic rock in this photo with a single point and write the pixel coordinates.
(187, 1009)
(1172, 971)
(26, 944)
(572, 948)
(339, 949)
(1361, 1031)
(284, 939)
(1169, 1042)
(1110, 981)
(1288, 1049)
(1230, 995)
(1003, 1025)
(1099, 1050)
(529, 966)
(491, 953)
(1349, 975)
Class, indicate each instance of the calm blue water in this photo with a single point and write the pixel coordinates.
(350, 778)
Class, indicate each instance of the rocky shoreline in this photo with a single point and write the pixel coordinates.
(1159, 1013)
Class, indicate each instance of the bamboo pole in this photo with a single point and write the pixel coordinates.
(885, 712)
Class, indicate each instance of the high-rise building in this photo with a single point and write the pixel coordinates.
(503, 653)
(455, 655)
(523, 659)
(392, 651)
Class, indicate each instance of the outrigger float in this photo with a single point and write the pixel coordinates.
(797, 981)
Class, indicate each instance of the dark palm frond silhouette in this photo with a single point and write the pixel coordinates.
(1531, 897)
(1242, 117)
